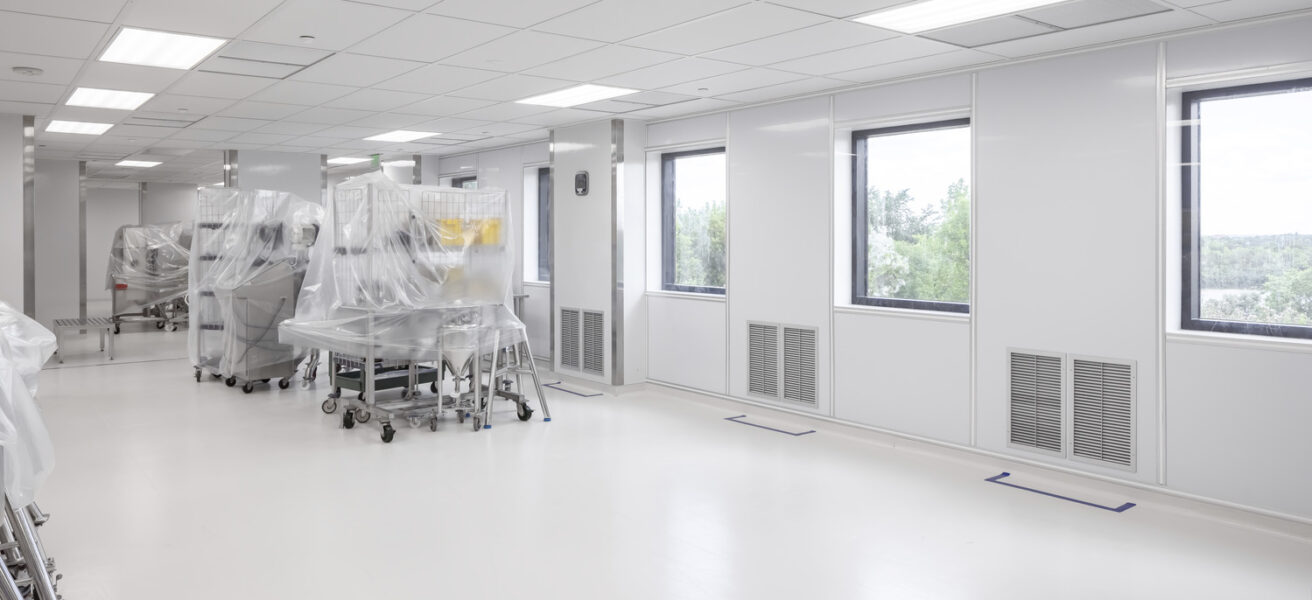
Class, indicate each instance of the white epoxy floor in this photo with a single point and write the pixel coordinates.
(167, 489)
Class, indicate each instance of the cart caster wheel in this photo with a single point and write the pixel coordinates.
(360, 396)
(216, 376)
(197, 375)
(460, 416)
(231, 381)
(478, 422)
(284, 383)
(329, 406)
(524, 412)
(116, 329)
(432, 387)
(264, 381)
(249, 387)
(173, 327)
(432, 424)
(348, 419)
(159, 325)
(363, 416)
(415, 422)
(337, 393)
(388, 434)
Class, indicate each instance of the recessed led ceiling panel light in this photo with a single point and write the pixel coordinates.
(400, 135)
(575, 96)
(78, 127)
(346, 160)
(933, 14)
(115, 99)
(159, 49)
(144, 164)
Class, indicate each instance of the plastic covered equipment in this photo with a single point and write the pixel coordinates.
(250, 255)
(148, 265)
(25, 447)
(405, 269)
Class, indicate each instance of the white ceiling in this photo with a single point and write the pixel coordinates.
(457, 66)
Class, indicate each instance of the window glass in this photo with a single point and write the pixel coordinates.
(693, 194)
(544, 224)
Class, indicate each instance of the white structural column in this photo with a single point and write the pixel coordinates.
(58, 256)
(11, 204)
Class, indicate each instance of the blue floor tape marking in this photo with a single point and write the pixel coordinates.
(998, 480)
(553, 386)
(735, 420)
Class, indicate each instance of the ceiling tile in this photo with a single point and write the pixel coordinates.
(202, 135)
(316, 141)
(560, 116)
(349, 132)
(513, 87)
(131, 132)
(869, 55)
(506, 111)
(833, 35)
(657, 98)
(615, 20)
(613, 106)
(229, 123)
(1099, 34)
(1069, 15)
(403, 4)
(104, 11)
(388, 121)
(35, 34)
(733, 82)
(505, 128)
(196, 106)
(450, 124)
(512, 13)
(223, 19)
(683, 108)
(59, 71)
(735, 26)
(290, 128)
(429, 38)
(24, 91)
(26, 108)
(376, 100)
(989, 31)
(437, 79)
(291, 55)
(261, 110)
(115, 76)
(329, 116)
(444, 105)
(918, 66)
(840, 8)
(601, 62)
(335, 24)
(241, 66)
(672, 73)
(355, 69)
(219, 86)
(261, 138)
(302, 92)
(784, 90)
(534, 134)
(1233, 10)
(519, 51)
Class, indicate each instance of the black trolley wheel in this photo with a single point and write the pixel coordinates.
(432, 387)
(523, 412)
(388, 433)
(363, 416)
(159, 325)
(231, 381)
(197, 375)
(284, 383)
(249, 387)
(348, 419)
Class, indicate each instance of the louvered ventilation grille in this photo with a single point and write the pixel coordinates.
(1102, 411)
(594, 342)
(799, 365)
(1036, 401)
(763, 360)
(569, 338)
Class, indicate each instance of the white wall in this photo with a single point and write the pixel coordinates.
(1073, 252)
(108, 208)
(11, 205)
(300, 174)
(169, 202)
(57, 251)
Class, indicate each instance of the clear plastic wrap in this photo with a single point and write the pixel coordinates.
(27, 452)
(403, 269)
(250, 253)
(148, 265)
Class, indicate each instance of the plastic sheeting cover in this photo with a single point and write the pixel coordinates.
(28, 454)
(250, 254)
(151, 262)
(402, 270)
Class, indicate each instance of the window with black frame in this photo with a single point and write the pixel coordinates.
(693, 195)
(465, 183)
(1247, 210)
(544, 224)
(911, 216)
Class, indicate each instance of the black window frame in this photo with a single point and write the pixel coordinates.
(544, 224)
(1190, 251)
(860, 237)
(459, 182)
(667, 222)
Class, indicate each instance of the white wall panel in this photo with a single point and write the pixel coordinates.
(57, 253)
(1264, 45)
(11, 204)
(107, 210)
(537, 319)
(926, 95)
(1237, 426)
(169, 202)
(1066, 224)
(687, 345)
(464, 164)
(779, 159)
(300, 174)
(687, 131)
(910, 375)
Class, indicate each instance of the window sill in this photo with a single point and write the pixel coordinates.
(537, 284)
(687, 295)
(904, 313)
(1238, 340)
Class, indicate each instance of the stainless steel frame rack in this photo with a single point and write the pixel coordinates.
(29, 573)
